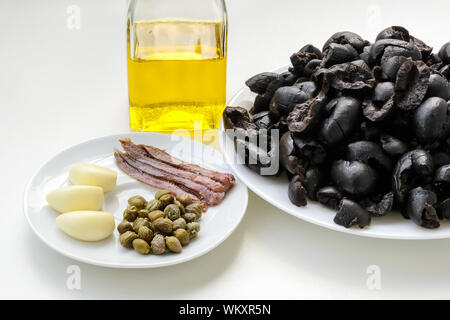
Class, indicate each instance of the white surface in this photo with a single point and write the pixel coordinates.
(216, 224)
(275, 191)
(52, 78)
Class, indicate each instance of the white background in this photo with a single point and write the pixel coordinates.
(59, 87)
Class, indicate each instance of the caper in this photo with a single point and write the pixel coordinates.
(166, 199)
(141, 246)
(164, 225)
(158, 244)
(138, 202)
(145, 233)
(190, 217)
(173, 244)
(172, 211)
(184, 199)
(140, 222)
(196, 208)
(180, 223)
(130, 213)
(182, 235)
(143, 213)
(154, 205)
(180, 206)
(155, 215)
(124, 226)
(193, 228)
(126, 239)
(160, 193)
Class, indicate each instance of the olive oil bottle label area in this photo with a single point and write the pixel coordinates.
(176, 74)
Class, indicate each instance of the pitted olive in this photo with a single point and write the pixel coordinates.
(344, 114)
(353, 177)
(413, 169)
(330, 197)
(444, 53)
(438, 86)
(296, 192)
(429, 119)
(285, 99)
(370, 153)
(350, 214)
(419, 208)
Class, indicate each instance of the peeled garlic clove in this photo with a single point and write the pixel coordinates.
(93, 175)
(87, 225)
(75, 198)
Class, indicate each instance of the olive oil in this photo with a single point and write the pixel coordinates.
(176, 74)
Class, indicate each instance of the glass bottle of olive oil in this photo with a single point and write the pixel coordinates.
(176, 66)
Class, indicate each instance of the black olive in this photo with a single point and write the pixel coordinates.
(411, 84)
(300, 59)
(259, 82)
(362, 64)
(389, 67)
(370, 153)
(386, 48)
(434, 59)
(288, 159)
(364, 56)
(309, 48)
(370, 131)
(383, 91)
(394, 32)
(351, 213)
(347, 37)
(285, 99)
(307, 87)
(443, 209)
(381, 104)
(312, 66)
(429, 119)
(353, 177)
(442, 181)
(289, 77)
(305, 116)
(262, 102)
(346, 76)
(413, 169)
(393, 146)
(310, 149)
(441, 159)
(313, 180)
(264, 120)
(438, 86)
(419, 208)
(330, 197)
(296, 192)
(444, 53)
(445, 71)
(237, 117)
(338, 53)
(423, 48)
(382, 207)
(344, 113)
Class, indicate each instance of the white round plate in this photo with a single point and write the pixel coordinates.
(275, 191)
(216, 224)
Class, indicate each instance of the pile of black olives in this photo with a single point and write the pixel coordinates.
(363, 128)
